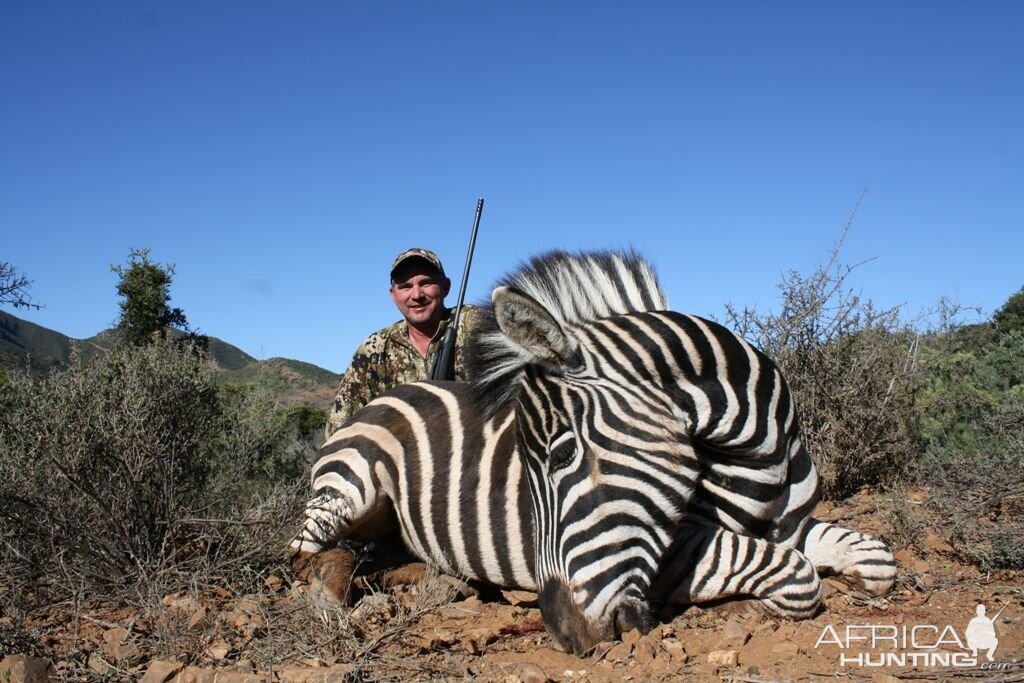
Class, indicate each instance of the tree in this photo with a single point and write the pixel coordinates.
(1011, 316)
(13, 288)
(145, 289)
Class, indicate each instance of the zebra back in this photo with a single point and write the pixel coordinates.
(575, 288)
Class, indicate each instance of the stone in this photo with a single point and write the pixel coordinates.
(100, 665)
(466, 608)
(460, 589)
(531, 673)
(520, 598)
(675, 649)
(219, 650)
(735, 634)
(905, 556)
(645, 651)
(723, 658)
(26, 669)
(885, 678)
(118, 647)
(161, 670)
(433, 639)
(199, 619)
(373, 607)
(619, 653)
(787, 649)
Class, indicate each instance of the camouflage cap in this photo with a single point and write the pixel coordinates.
(417, 253)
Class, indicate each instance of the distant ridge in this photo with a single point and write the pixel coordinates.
(25, 345)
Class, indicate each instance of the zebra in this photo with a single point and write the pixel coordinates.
(608, 454)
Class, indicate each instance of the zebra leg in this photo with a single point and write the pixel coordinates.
(347, 500)
(859, 558)
(709, 563)
(344, 505)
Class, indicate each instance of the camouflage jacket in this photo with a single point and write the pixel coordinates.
(387, 358)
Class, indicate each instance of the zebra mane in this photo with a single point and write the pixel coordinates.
(575, 288)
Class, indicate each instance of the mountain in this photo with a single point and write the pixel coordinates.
(25, 344)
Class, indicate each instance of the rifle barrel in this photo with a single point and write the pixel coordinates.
(469, 260)
(443, 363)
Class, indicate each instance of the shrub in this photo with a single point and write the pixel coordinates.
(134, 463)
(852, 370)
(97, 462)
(972, 421)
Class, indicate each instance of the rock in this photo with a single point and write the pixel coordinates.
(373, 607)
(723, 658)
(117, 646)
(433, 638)
(300, 674)
(274, 583)
(786, 650)
(675, 650)
(161, 670)
(26, 669)
(631, 636)
(520, 598)
(478, 638)
(531, 673)
(734, 634)
(885, 678)
(462, 609)
(98, 664)
(179, 601)
(619, 653)
(248, 605)
(218, 650)
(645, 651)
(657, 633)
(199, 619)
(905, 556)
(460, 589)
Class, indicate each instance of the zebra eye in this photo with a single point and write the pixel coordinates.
(561, 452)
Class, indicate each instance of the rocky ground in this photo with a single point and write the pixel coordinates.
(415, 625)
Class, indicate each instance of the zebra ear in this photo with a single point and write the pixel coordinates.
(529, 325)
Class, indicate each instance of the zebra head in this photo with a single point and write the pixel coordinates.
(602, 453)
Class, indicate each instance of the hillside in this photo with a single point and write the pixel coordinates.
(294, 382)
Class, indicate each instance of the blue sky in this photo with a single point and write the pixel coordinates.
(280, 154)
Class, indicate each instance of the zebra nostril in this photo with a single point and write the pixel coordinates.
(632, 615)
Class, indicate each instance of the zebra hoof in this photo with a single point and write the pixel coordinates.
(328, 573)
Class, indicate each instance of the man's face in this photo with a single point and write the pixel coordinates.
(419, 290)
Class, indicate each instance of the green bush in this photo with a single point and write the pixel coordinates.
(972, 422)
(135, 462)
(1010, 318)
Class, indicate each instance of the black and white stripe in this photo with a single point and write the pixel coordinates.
(608, 453)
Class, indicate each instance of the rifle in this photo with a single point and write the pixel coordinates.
(993, 619)
(444, 363)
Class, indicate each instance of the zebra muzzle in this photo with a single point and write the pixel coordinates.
(568, 624)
